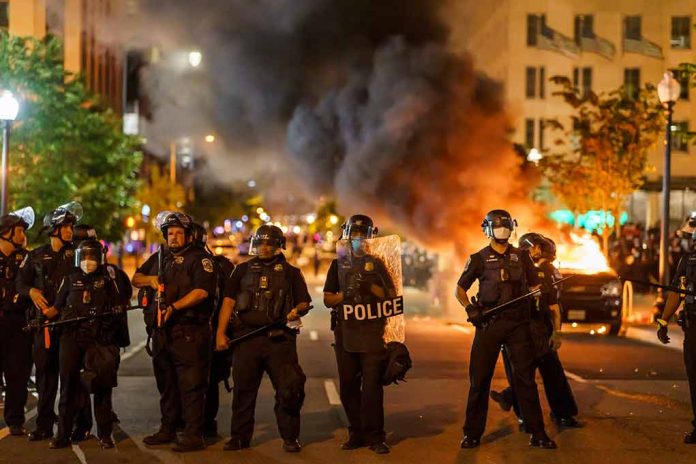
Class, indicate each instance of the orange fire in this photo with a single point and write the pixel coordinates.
(582, 256)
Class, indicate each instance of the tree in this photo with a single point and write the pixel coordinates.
(599, 161)
(160, 194)
(66, 145)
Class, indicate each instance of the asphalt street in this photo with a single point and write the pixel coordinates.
(633, 398)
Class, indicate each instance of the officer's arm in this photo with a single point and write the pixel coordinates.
(674, 299)
(331, 300)
(332, 296)
(143, 280)
(192, 298)
(25, 277)
(462, 297)
(472, 271)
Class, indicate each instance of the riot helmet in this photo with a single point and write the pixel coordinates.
(267, 234)
(358, 226)
(89, 255)
(23, 218)
(539, 247)
(167, 219)
(83, 232)
(199, 236)
(688, 228)
(498, 225)
(67, 214)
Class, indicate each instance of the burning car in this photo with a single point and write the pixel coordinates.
(594, 295)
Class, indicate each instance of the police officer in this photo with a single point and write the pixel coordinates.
(265, 294)
(545, 327)
(181, 340)
(40, 275)
(15, 343)
(684, 278)
(360, 349)
(220, 364)
(504, 273)
(89, 350)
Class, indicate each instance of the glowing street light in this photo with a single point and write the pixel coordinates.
(210, 138)
(195, 58)
(9, 108)
(534, 156)
(333, 219)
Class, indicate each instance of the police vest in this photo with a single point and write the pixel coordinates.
(178, 282)
(266, 292)
(503, 276)
(90, 295)
(10, 300)
(690, 282)
(360, 336)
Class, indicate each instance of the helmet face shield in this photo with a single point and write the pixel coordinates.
(267, 235)
(69, 213)
(496, 223)
(167, 219)
(89, 255)
(26, 217)
(358, 226)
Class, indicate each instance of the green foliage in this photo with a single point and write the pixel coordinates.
(160, 195)
(601, 159)
(65, 144)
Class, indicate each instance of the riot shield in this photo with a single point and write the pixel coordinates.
(370, 277)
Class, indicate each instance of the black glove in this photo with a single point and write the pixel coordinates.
(662, 331)
(475, 312)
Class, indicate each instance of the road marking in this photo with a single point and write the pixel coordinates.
(461, 328)
(575, 377)
(79, 453)
(135, 350)
(313, 335)
(331, 392)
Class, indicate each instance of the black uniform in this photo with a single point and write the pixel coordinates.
(502, 277)
(89, 351)
(45, 269)
(220, 363)
(556, 386)
(265, 291)
(360, 349)
(181, 350)
(686, 277)
(15, 343)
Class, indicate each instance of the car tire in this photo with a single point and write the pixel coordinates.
(615, 328)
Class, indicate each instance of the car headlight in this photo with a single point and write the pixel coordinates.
(611, 289)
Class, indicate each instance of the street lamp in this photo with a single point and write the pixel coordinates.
(668, 92)
(9, 107)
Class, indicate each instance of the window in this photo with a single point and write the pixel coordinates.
(632, 28)
(530, 87)
(684, 83)
(4, 15)
(541, 134)
(529, 133)
(681, 32)
(680, 139)
(632, 82)
(584, 27)
(535, 25)
(582, 80)
(531, 76)
(55, 19)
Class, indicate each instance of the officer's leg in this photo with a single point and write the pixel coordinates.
(247, 370)
(46, 362)
(165, 376)
(350, 387)
(284, 371)
(191, 354)
(71, 359)
(83, 419)
(484, 355)
(16, 361)
(212, 396)
(690, 362)
(372, 406)
(518, 342)
(556, 386)
(508, 394)
(103, 412)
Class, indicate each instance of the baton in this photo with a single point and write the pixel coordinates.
(261, 329)
(488, 312)
(75, 320)
(660, 286)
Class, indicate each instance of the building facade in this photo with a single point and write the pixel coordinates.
(83, 26)
(600, 46)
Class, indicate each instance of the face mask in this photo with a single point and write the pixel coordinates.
(356, 244)
(88, 266)
(501, 233)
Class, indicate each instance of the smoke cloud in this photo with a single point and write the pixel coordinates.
(358, 99)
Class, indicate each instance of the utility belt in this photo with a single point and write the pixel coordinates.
(516, 313)
(687, 318)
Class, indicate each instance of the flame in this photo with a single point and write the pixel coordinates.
(583, 255)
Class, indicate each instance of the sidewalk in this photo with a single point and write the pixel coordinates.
(638, 324)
